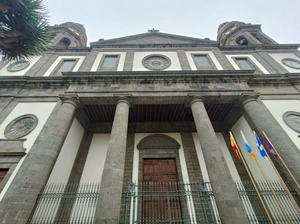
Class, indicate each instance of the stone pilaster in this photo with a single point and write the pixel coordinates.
(263, 120)
(109, 201)
(230, 207)
(19, 200)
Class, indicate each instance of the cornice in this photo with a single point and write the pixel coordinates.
(205, 76)
(29, 81)
(149, 76)
(123, 40)
(72, 49)
(155, 46)
(275, 79)
(261, 47)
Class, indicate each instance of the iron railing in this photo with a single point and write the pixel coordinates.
(66, 204)
(279, 203)
(169, 202)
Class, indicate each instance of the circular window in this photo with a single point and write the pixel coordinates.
(156, 62)
(292, 119)
(290, 62)
(21, 126)
(18, 66)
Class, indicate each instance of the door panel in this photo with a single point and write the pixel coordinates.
(161, 200)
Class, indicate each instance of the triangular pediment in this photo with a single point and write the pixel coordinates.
(153, 38)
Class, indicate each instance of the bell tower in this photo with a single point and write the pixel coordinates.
(68, 35)
(242, 34)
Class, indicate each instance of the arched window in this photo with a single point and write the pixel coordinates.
(64, 43)
(242, 41)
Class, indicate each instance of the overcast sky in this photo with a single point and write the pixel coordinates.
(280, 19)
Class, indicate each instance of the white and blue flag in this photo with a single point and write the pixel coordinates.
(260, 146)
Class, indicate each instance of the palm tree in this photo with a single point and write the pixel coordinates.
(24, 29)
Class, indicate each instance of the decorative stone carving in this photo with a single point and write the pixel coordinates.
(158, 141)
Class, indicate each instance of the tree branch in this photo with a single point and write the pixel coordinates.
(4, 7)
(14, 33)
(3, 44)
(9, 40)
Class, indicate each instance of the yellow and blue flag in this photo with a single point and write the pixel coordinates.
(248, 147)
(260, 146)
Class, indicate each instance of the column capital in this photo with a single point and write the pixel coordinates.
(70, 98)
(248, 98)
(194, 98)
(123, 99)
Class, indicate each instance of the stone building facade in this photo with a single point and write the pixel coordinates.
(146, 119)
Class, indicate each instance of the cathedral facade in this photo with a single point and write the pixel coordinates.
(152, 128)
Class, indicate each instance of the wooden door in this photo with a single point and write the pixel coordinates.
(3, 172)
(161, 200)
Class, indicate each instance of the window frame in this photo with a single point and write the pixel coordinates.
(100, 66)
(257, 70)
(56, 71)
(210, 61)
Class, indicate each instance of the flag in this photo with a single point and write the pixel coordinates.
(248, 148)
(269, 146)
(260, 146)
(234, 146)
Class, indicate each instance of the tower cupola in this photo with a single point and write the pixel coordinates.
(242, 34)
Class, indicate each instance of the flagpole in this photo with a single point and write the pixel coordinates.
(286, 188)
(275, 195)
(254, 184)
(282, 160)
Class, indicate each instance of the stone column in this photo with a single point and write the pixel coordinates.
(19, 200)
(229, 204)
(263, 120)
(109, 201)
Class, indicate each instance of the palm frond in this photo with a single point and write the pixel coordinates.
(28, 17)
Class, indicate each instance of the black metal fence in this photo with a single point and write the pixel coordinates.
(66, 204)
(170, 202)
(282, 205)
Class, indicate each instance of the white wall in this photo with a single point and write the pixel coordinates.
(279, 56)
(278, 108)
(100, 55)
(64, 163)
(200, 157)
(93, 168)
(58, 60)
(42, 111)
(267, 168)
(236, 67)
(229, 161)
(139, 56)
(4, 71)
(211, 55)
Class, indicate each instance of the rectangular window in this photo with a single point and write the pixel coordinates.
(109, 63)
(203, 62)
(67, 65)
(3, 172)
(244, 64)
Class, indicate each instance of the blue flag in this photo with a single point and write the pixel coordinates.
(260, 146)
(248, 147)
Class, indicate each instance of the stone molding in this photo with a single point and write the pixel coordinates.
(194, 99)
(248, 98)
(12, 147)
(158, 141)
(70, 98)
(124, 99)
